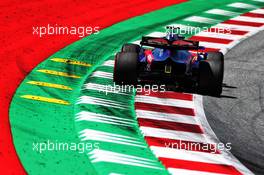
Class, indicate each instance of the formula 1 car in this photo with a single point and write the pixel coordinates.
(170, 59)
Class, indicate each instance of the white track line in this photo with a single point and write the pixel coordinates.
(101, 118)
(109, 63)
(189, 172)
(102, 74)
(101, 102)
(248, 19)
(242, 5)
(222, 12)
(89, 134)
(259, 11)
(136, 42)
(236, 27)
(200, 19)
(165, 116)
(220, 35)
(171, 134)
(100, 155)
(157, 34)
(164, 101)
(183, 154)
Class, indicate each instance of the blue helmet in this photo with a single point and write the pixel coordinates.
(172, 35)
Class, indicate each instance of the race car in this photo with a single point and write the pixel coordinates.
(172, 60)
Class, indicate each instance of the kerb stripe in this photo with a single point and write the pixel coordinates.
(163, 108)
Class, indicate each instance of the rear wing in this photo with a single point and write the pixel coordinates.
(180, 44)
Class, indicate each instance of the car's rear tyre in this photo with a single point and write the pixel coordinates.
(211, 73)
(130, 48)
(125, 70)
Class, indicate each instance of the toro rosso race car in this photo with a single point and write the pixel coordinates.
(170, 59)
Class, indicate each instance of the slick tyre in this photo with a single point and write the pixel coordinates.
(125, 70)
(130, 48)
(211, 73)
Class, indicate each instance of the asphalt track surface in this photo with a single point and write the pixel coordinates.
(238, 116)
